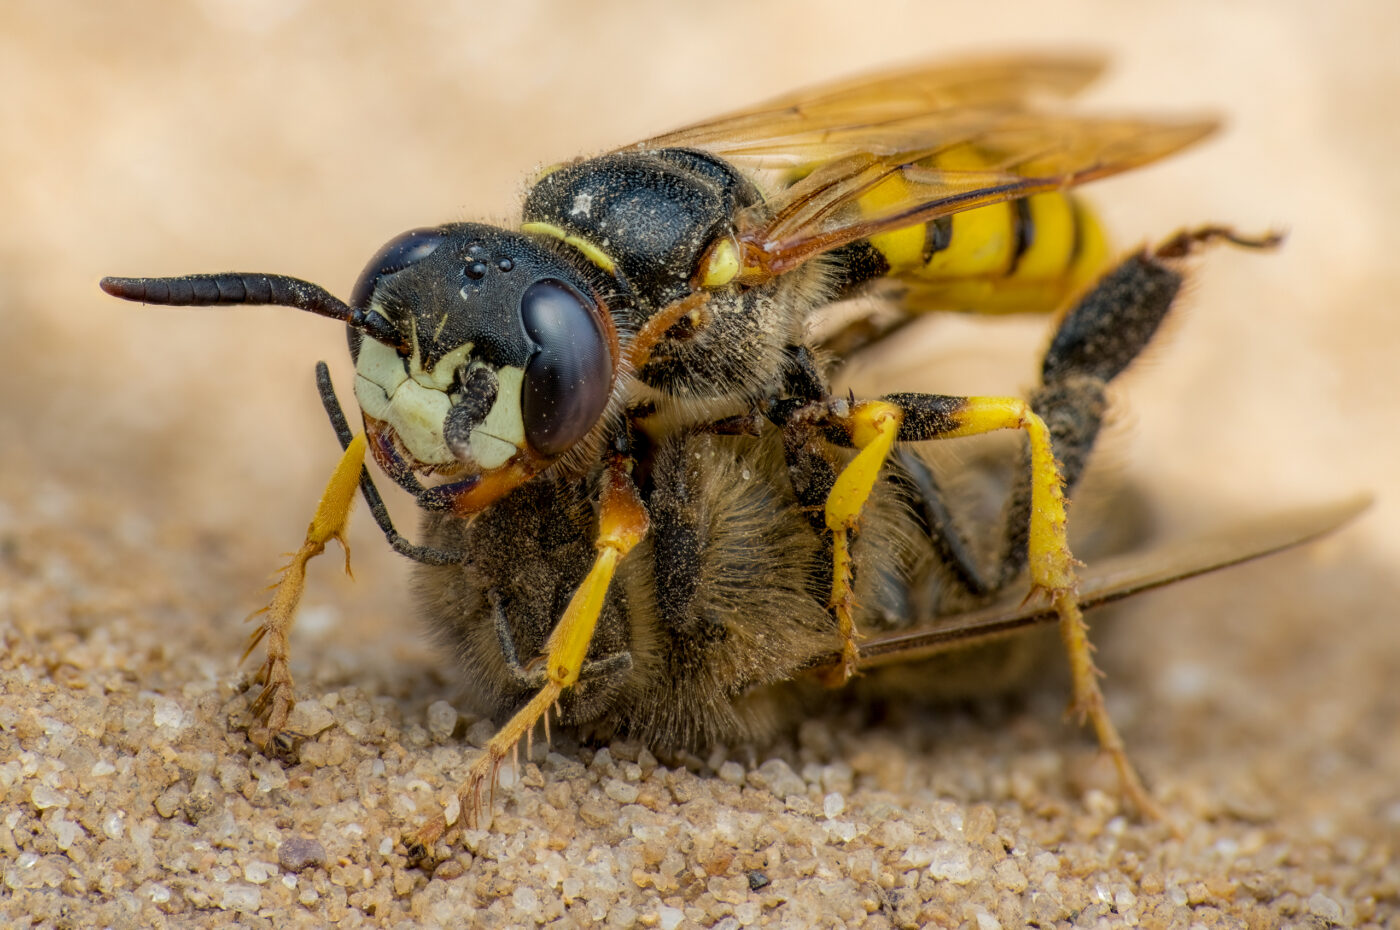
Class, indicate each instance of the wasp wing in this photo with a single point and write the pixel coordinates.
(977, 160)
(885, 153)
(1114, 579)
(870, 113)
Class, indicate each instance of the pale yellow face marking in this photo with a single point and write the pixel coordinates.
(502, 433)
(415, 411)
(416, 406)
(440, 378)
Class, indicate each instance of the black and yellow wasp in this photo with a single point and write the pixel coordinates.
(644, 507)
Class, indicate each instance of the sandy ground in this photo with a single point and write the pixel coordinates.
(153, 463)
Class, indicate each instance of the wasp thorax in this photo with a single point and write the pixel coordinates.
(506, 353)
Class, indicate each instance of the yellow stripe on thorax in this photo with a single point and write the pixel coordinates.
(590, 251)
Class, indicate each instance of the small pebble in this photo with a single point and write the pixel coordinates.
(43, 797)
(258, 872)
(65, 832)
(168, 714)
(951, 862)
(442, 720)
(526, 899)
(309, 718)
(480, 733)
(732, 772)
(1326, 908)
(297, 853)
(240, 897)
(779, 778)
(620, 791)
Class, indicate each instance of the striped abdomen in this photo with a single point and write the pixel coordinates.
(1027, 255)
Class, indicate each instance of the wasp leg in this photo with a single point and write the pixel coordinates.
(274, 703)
(1096, 340)
(874, 425)
(622, 523)
(424, 554)
(811, 420)
(873, 428)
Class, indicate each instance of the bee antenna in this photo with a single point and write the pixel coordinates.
(207, 290)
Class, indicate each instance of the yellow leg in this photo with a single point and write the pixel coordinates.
(1052, 571)
(274, 703)
(1086, 701)
(1051, 565)
(622, 523)
(874, 426)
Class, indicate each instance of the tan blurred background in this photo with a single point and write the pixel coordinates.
(146, 138)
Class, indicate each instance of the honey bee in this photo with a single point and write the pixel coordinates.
(645, 510)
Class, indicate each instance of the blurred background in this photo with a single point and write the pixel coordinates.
(153, 138)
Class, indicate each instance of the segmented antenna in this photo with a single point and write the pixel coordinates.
(230, 288)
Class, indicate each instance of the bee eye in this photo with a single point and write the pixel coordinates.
(396, 255)
(569, 377)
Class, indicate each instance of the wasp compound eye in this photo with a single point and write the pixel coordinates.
(397, 254)
(569, 377)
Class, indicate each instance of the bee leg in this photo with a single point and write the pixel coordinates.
(424, 554)
(274, 703)
(622, 523)
(937, 521)
(532, 674)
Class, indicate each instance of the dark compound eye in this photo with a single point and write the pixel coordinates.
(396, 255)
(569, 378)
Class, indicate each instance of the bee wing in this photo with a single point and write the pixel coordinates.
(1114, 579)
(880, 154)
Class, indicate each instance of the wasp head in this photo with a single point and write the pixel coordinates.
(481, 355)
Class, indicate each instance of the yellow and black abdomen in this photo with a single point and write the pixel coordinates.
(1021, 256)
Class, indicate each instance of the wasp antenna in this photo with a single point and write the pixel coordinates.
(231, 288)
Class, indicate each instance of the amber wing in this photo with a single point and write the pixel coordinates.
(934, 141)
